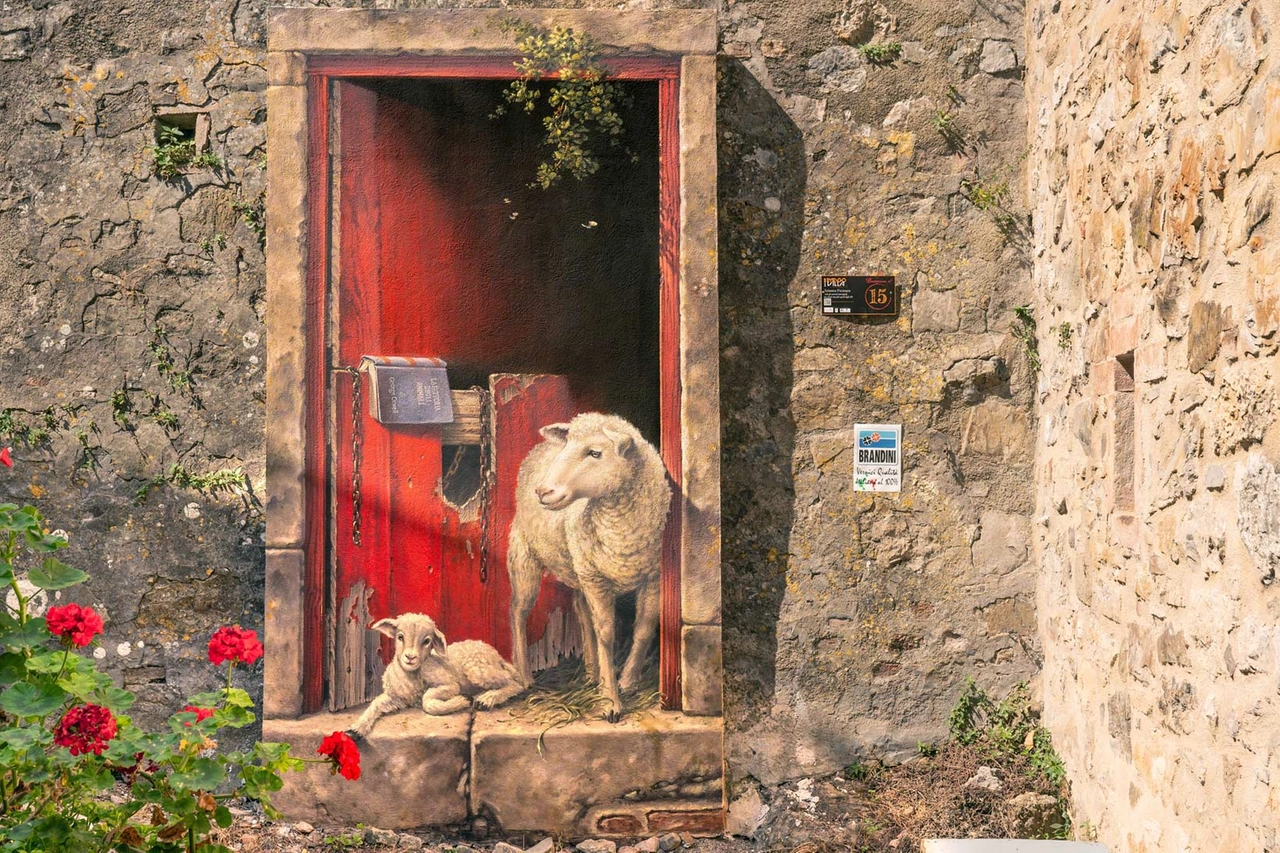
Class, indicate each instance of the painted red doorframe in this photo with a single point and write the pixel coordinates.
(322, 69)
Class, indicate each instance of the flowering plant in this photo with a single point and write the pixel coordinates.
(65, 739)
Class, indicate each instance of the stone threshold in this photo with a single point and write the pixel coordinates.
(655, 771)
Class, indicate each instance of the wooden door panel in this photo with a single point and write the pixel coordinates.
(361, 578)
(522, 405)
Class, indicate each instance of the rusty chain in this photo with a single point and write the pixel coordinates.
(356, 453)
(486, 481)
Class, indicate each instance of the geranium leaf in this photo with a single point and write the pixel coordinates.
(205, 774)
(115, 699)
(13, 667)
(32, 700)
(16, 635)
(55, 574)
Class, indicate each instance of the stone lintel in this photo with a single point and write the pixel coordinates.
(701, 670)
(413, 771)
(286, 218)
(283, 633)
(699, 343)
(442, 31)
(587, 765)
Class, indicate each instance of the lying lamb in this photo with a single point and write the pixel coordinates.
(591, 505)
(443, 677)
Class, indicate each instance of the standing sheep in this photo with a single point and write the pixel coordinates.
(591, 503)
(443, 677)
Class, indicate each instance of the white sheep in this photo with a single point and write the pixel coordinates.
(591, 504)
(443, 677)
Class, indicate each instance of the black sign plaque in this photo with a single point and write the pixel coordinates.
(859, 296)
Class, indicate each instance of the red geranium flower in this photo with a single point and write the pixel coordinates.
(343, 752)
(233, 643)
(85, 728)
(76, 625)
(202, 714)
(5, 459)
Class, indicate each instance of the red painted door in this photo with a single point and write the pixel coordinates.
(419, 275)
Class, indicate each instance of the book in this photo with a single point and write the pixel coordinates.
(407, 389)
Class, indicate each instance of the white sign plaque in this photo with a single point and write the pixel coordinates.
(879, 458)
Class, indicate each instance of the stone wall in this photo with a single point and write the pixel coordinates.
(849, 621)
(131, 336)
(1155, 129)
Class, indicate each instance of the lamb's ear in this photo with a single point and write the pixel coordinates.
(385, 626)
(440, 646)
(558, 433)
(622, 442)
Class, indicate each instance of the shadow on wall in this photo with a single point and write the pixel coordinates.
(761, 156)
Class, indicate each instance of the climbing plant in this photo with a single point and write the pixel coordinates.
(581, 108)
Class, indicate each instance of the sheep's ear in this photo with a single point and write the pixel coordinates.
(440, 646)
(385, 626)
(622, 442)
(558, 433)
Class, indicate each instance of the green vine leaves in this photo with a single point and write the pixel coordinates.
(582, 107)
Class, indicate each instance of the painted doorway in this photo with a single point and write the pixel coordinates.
(398, 85)
(544, 303)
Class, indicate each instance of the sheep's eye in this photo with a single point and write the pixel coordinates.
(400, 637)
(427, 641)
(594, 454)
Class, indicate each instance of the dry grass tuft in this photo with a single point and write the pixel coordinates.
(561, 695)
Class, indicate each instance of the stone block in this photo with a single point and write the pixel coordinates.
(1258, 511)
(455, 30)
(1204, 335)
(586, 764)
(283, 632)
(996, 428)
(701, 670)
(997, 57)
(1123, 335)
(1003, 543)
(935, 312)
(413, 771)
(699, 344)
(286, 68)
(286, 208)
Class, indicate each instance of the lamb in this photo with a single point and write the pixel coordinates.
(591, 505)
(443, 677)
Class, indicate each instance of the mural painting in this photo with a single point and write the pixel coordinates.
(493, 552)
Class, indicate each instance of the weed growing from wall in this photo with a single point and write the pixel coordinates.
(882, 53)
(1008, 726)
(254, 215)
(582, 108)
(224, 480)
(1064, 336)
(1023, 328)
(175, 151)
(947, 125)
(36, 429)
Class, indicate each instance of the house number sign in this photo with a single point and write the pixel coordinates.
(859, 296)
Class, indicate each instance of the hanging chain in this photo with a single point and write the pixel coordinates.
(486, 481)
(356, 452)
(447, 480)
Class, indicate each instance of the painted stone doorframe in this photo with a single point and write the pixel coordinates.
(306, 49)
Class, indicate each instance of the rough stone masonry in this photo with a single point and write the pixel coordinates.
(1156, 129)
(132, 344)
